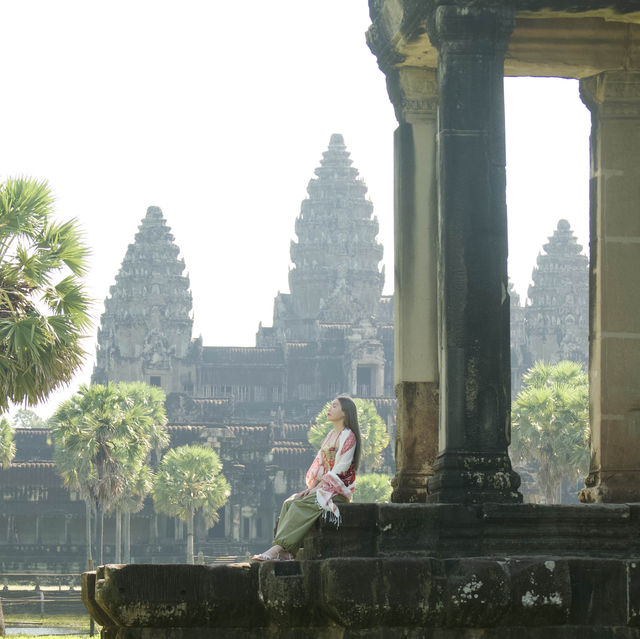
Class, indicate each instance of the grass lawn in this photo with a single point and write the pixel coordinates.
(21, 636)
(79, 622)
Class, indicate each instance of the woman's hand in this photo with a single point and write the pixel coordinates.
(306, 492)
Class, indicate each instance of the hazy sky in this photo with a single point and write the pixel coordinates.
(219, 113)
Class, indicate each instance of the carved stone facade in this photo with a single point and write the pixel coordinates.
(145, 330)
(554, 323)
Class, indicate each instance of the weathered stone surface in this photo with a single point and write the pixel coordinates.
(89, 600)
(365, 593)
(537, 597)
(598, 591)
(490, 530)
(614, 397)
(288, 590)
(180, 595)
(540, 592)
(355, 537)
(416, 444)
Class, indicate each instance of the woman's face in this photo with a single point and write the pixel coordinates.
(335, 413)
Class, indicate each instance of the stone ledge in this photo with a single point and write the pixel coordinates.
(489, 530)
(556, 632)
(372, 597)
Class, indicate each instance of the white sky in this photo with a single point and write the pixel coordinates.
(219, 113)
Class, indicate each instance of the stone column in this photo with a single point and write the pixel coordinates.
(414, 93)
(473, 465)
(614, 323)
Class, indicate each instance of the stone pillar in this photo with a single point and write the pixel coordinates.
(414, 93)
(473, 465)
(614, 323)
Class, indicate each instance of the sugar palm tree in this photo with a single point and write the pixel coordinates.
(189, 480)
(551, 424)
(138, 478)
(103, 436)
(44, 308)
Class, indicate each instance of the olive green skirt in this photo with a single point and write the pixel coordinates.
(297, 516)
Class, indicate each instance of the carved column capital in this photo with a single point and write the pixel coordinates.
(612, 94)
(455, 28)
(414, 93)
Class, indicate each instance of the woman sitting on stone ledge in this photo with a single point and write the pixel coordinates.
(330, 479)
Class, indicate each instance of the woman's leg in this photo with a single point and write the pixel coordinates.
(275, 551)
(294, 525)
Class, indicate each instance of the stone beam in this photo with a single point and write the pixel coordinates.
(568, 40)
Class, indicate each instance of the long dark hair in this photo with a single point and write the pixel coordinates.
(351, 421)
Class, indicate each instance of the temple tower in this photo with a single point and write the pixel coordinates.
(557, 318)
(335, 306)
(145, 330)
(335, 275)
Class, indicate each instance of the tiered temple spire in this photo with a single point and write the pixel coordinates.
(336, 275)
(558, 315)
(147, 320)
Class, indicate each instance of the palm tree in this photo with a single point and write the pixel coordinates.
(7, 445)
(103, 436)
(373, 433)
(44, 308)
(551, 425)
(188, 480)
(372, 488)
(152, 420)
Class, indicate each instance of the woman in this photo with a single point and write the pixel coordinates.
(330, 479)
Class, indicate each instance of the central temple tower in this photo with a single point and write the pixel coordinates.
(335, 277)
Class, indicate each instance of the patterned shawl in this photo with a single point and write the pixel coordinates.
(333, 466)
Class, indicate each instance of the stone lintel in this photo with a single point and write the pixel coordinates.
(568, 39)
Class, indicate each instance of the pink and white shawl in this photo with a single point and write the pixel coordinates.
(333, 466)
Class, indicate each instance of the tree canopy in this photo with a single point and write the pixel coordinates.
(103, 436)
(372, 487)
(373, 432)
(44, 308)
(550, 420)
(189, 479)
(25, 418)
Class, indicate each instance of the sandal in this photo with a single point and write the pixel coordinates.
(263, 556)
(283, 555)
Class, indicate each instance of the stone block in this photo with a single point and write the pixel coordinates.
(633, 593)
(370, 593)
(355, 537)
(540, 592)
(289, 591)
(89, 600)
(181, 595)
(578, 530)
(477, 592)
(598, 592)
(428, 530)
